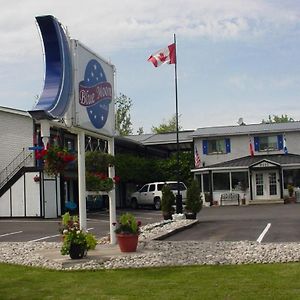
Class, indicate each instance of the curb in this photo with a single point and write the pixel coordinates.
(179, 229)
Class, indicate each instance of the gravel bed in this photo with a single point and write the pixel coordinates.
(153, 253)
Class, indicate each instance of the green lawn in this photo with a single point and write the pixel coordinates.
(276, 281)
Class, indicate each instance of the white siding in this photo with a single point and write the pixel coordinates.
(18, 198)
(240, 147)
(16, 134)
(5, 204)
(32, 193)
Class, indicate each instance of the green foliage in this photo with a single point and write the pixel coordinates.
(278, 119)
(123, 118)
(167, 200)
(166, 126)
(72, 234)
(98, 182)
(96, 161)
(193, 201)
(290, 189)
(55, 159)
(128, 224)
(168, 167)
(97, 164)
(132, 168)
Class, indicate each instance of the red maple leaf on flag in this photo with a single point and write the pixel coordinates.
(162, 57)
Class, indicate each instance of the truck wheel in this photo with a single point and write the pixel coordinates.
(157, 204)
(134, 204)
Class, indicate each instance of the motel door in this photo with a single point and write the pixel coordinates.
(266, 185)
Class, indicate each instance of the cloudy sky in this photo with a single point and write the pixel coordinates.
(235, 58)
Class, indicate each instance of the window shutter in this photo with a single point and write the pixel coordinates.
(205, 146)
(280, 141)
(256, 143)
(227, 142)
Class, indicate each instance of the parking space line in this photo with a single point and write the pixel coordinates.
(45, 238)
(52, 236)
(97, 220)
(263, 233)
(11, 233)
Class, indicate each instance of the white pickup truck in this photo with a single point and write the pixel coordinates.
(150, 194)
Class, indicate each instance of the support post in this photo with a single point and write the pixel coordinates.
(112, 197)
(81, 180)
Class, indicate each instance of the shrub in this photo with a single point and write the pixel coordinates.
(193, 201)
(168, 199)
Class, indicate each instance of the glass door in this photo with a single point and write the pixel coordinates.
(266, 185)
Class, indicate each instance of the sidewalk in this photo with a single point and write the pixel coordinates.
(106, 251)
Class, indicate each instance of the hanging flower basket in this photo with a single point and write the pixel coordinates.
(100, 182)
(56, 159)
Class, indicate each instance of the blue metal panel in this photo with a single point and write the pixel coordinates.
(205, 146)
(55, 97)
(228, 148)
(256, 143)
(280, 141)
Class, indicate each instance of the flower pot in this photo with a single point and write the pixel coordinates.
(77, 251)
(127, 242)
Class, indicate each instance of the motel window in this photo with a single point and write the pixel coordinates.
(239, 181)
(221, 181)
(268, 143)
(206, 183)
(216, 146)
(291, 177)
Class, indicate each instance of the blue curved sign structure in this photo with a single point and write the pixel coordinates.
(55, 98)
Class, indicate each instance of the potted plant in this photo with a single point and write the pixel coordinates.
(167, 202)
(127, 231)
(193, 200)
(291, 198)
(76, 242)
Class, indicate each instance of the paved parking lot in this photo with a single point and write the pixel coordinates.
(36, 229)
(266, 223)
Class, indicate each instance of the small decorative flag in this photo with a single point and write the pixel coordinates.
(197, 159)
(164, 56)
(251, 148)
(285, 150)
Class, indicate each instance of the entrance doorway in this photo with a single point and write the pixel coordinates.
(266, 185)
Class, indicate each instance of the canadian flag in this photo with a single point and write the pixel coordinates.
(164, 56)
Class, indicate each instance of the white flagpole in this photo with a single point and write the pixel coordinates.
(178, 196)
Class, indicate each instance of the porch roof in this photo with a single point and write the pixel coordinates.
(247, 161)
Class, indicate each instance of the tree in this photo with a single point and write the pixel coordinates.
(123, 118)
(166, 126)
(278, 119)
(168, 167)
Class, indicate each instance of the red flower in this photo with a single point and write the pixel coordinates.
(117, 179)
(102, 176)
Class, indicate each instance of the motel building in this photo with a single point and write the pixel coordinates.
(247, 164)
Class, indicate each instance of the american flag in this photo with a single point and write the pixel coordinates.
(197, 159)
